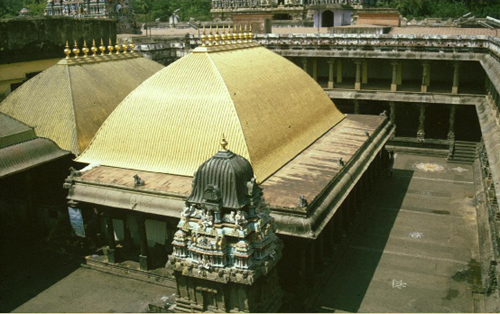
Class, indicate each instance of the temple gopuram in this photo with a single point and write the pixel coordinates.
(150, 195)
(121, 10)
(226, 248)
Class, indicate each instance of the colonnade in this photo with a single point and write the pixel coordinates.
(493, 97)
(336, 73)
(315, 255)
(92, 218)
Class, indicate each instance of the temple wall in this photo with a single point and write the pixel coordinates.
(27, 39)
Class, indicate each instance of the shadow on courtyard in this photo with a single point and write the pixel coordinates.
(349, 282)
(27, 265)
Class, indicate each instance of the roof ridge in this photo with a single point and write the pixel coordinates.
(233, 107)
(72, 109)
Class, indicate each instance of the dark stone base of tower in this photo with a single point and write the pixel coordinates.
(196, 295)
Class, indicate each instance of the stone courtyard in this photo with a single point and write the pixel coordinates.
(416, 249)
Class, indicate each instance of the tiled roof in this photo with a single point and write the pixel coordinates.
(13, 131)
(69, 101)
(268, 109)
(28, 154)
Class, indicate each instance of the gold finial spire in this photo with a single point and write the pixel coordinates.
(85, 49)
(118, 47)
(110, 47)
(229, 35)
(250, 33)
(67, 51)
(93, 48)
(245, 35)
(240, 36)
(102, 48)
(223, 36)
(131, 45)
(203, 37)
(216, 35)
(223, 142)
(76, 50)
(124, 46)
(210, 37)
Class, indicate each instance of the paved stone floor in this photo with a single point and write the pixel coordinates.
(35, 279)
(416, 249)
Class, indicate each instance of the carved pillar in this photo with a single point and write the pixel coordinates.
(425, 76)
(421, 123)
(143, 257)
(394, 83)
(304, 64)
(364, 77)
(339, 71)
(331, 63)
(451, 129)
(392, 113)
(357, 84)
(315, 69)
(356, 106)
(111, 238)
(456, 77)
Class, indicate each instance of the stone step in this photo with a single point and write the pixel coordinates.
(131, 272)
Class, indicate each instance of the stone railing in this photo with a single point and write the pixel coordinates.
(375, 42)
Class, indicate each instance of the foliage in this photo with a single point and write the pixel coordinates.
(11, 8)
(443, 8)
(163, 9)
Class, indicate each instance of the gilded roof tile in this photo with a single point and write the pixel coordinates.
(268, 109)
(13, 131)
(68, 102)
(28, 154)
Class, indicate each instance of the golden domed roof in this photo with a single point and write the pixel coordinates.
(268, 109)
(69, 101)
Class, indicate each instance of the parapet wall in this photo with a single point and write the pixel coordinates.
(27, 39)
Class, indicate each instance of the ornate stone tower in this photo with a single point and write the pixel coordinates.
(226, 248)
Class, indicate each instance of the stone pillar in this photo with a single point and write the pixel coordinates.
(339, 71)
(331, 63)
(315, 69)
(330, 237)
(111, 238)
(357, 84)
(364, 77)
(425, 76)
(304, 64)
(338, 224)
(311, 265)
(30, 214)
(400, 73)
(319, 247)
(143, 257)
(356, 106)
(451, 129)
(421, 123)
(394, 82)
(456, 77)
(392, 113)
(302, 261)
